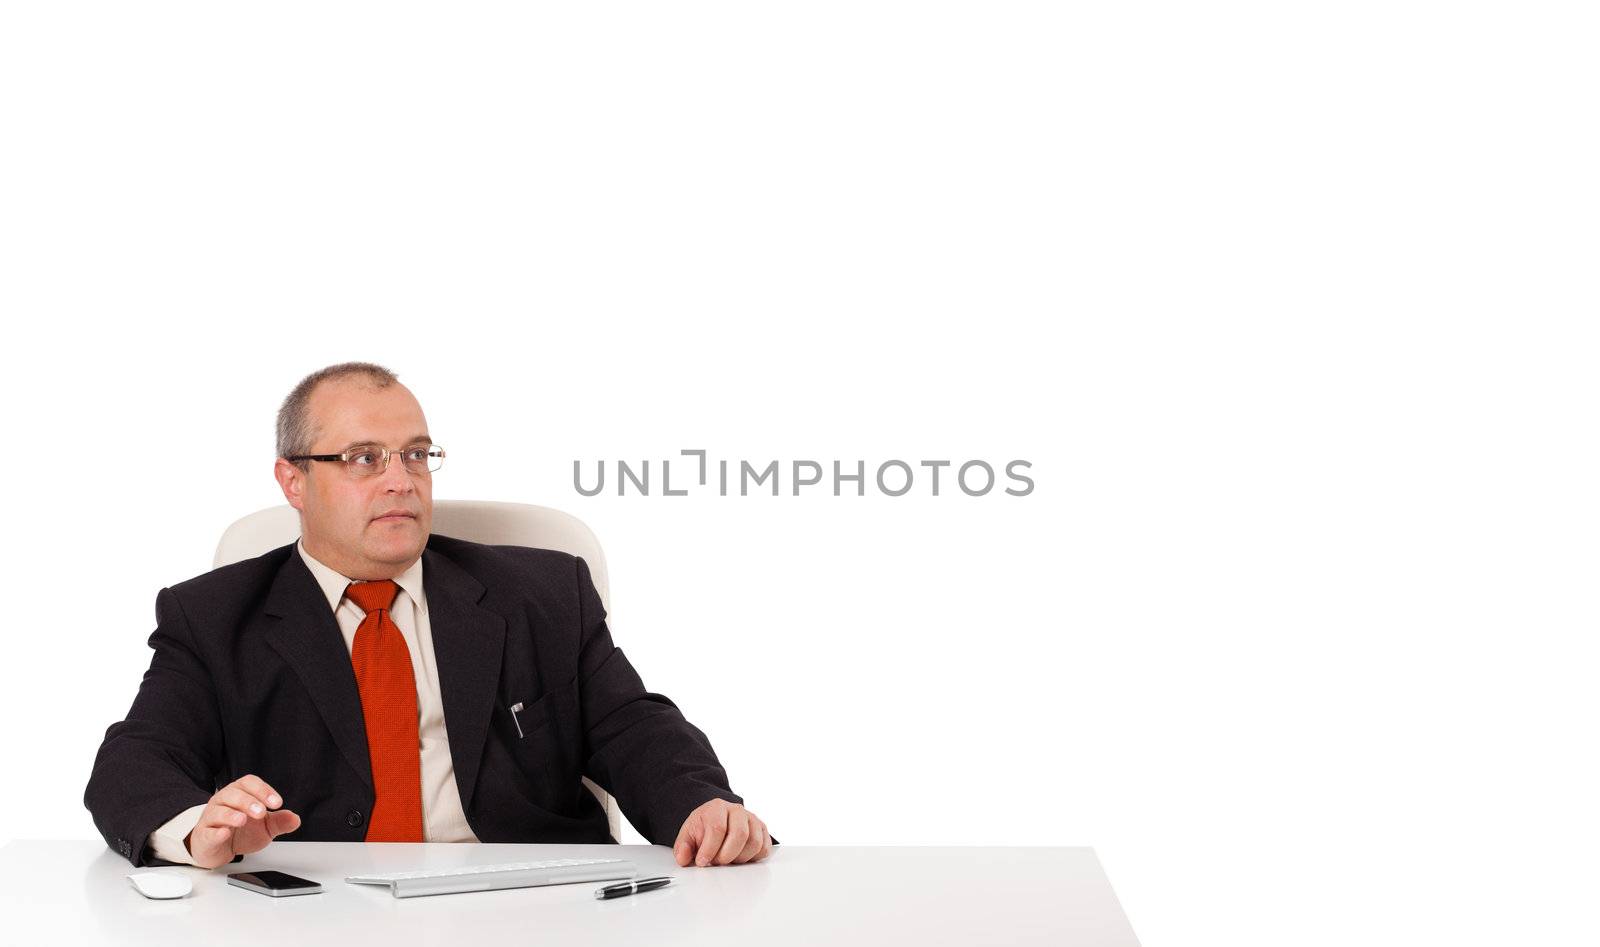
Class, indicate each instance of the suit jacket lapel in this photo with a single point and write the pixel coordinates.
(308, 638)
(468, 643)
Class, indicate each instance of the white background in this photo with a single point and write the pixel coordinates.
(1290, 306)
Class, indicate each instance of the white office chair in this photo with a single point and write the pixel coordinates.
(502, 524)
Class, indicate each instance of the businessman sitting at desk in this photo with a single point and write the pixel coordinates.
(373, 682)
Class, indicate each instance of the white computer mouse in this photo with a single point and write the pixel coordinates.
(161, 885)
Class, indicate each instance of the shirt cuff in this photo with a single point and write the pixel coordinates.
(168, 841)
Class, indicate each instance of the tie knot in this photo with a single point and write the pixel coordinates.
(372, 596)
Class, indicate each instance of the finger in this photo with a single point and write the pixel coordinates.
(282, 822)
(221, 814)
(252, 838)
(683, 848)
(235, 797)
(752, 848)
(215, 816)
(211, 846)
(738, 835)
(716, 823)
(766, 844)
(256, 786)
(215, 835)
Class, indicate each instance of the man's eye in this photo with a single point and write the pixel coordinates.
(416, 455)
(364, 458)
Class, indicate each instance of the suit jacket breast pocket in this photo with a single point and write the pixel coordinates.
(543, 734)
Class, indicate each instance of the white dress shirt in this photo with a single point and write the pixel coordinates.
(443, 819)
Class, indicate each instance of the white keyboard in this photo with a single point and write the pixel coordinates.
(560, 871)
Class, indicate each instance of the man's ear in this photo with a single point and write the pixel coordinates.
(293, 481)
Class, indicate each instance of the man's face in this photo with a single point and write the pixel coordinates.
(369, 527)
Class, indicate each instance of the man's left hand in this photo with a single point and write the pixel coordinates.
(721, 833)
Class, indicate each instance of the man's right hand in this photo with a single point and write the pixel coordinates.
(243, 817)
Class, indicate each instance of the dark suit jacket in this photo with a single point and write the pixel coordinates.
(251, 675)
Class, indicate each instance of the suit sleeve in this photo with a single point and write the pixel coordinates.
(638, 746)
(164, 757)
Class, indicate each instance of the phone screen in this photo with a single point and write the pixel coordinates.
(273, 880)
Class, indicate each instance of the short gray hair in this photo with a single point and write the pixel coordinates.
(295, 432)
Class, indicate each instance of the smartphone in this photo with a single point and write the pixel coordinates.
(274, 883)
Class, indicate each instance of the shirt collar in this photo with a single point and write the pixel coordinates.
(333, 584)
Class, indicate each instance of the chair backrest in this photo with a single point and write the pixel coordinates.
(478, 521)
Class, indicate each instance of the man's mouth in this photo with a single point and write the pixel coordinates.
(395, 515)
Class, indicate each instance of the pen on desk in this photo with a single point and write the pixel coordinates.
(631, 887)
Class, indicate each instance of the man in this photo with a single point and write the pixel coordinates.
(373, 682)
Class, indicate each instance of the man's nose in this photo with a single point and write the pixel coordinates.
(395, 475)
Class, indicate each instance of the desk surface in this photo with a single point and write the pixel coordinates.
(77, 892)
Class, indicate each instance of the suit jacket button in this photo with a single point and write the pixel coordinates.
(353, 818)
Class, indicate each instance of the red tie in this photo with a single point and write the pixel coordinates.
(389, 704)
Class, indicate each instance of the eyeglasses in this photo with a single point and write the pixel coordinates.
(374, 461)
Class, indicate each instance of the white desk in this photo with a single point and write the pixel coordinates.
(77, 892)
